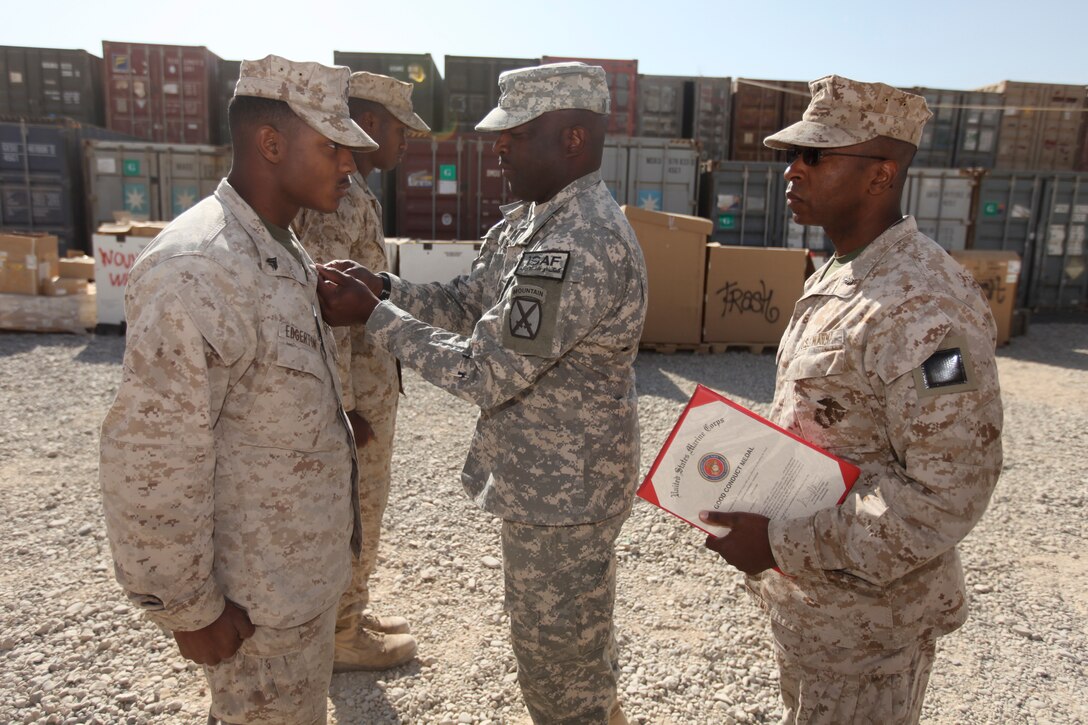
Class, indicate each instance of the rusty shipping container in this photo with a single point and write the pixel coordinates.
(50, 82)
(161, 93)
(711, 103)
(1040, 125)
(664, 106)
(760, 108)
(472, 87)
(419, 69)
(622, 86)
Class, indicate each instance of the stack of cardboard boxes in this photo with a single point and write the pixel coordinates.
(707, 296)
(39, 292)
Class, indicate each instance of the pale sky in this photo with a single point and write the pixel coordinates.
(937, 44)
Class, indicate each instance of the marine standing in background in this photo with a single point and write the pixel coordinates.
(888, 362)
(382, 106)
(227, 465)
(542, 335)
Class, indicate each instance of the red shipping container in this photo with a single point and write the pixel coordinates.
(761, 108)
(449, 188)
(623, 87)
(162, 93)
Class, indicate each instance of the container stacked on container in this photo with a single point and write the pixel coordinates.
(49, 82)
(472, 87)
(229, 70)
(711, 110)
(1041, 125)
(162, 93)
(622, 86)
(419, 69)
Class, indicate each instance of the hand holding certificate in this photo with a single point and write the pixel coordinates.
(722, 457)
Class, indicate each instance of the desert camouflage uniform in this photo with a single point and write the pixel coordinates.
(227, 468)
(368, 372)
(889, 363)
(542, 335)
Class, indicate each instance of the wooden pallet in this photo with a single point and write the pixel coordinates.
(706, 348)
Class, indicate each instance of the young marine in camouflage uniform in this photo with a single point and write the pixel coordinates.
(888, 361)
(382, 106)
(227, 466)
(542, 334)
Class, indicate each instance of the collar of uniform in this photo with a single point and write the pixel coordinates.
(845, 283)
(268, 249)
(540, 213)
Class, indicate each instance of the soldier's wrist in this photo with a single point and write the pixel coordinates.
(387, 286)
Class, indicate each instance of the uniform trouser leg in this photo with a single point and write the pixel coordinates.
(374, 482)
(560, 593)
(830, 685)
(277, 676)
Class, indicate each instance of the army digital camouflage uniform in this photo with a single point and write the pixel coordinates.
(227, 465)
(542, 335)
(888, 363)
(368, 372)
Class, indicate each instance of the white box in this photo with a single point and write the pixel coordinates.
(435, 261)
(114, 256)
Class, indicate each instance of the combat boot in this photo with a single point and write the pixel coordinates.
(616, 716)
(359, 648)
(385, 625)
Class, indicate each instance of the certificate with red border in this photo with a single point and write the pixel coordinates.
(723, 457)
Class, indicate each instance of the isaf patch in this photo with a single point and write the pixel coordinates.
(552, 265)
(526, 311)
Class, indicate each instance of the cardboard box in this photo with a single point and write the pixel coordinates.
(435, 261)
(26, 261)
(997, 273)
(72, 313)
(114, 254)
(61, 286)
(81, 267)
(751, 292)
(674, 246)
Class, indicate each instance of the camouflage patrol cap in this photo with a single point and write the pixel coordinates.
(526, 93)
(845, 112)
(395, 95)
(317, 93)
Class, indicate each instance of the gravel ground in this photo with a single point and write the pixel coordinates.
(694, 649)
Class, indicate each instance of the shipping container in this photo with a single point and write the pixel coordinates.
(937, 147)
(622, 87)
(50, 82)
(161, 93)
(664, 106)
(662, 174)
(711, 104)
(1043, 217)
(1040, 125)
(41, 179)
(744, 202)
(150, 181)
(1082, 157)
(419, 69)
(941, 202)
(472, 87)
(761, 108)
(227, 79)
(978, 129)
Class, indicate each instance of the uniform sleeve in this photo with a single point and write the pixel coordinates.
(157, 457)
(456, 305)
(539, 317)
(326, 237)
(935, 379)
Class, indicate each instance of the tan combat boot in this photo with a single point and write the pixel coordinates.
(616, 716)
(359, 648)
(386, 625)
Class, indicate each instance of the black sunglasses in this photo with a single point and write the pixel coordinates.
(811, 156)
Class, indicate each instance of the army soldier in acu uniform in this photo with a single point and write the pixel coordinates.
(542, 335)
(227, 465)
(888, 362)
(382, 106)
